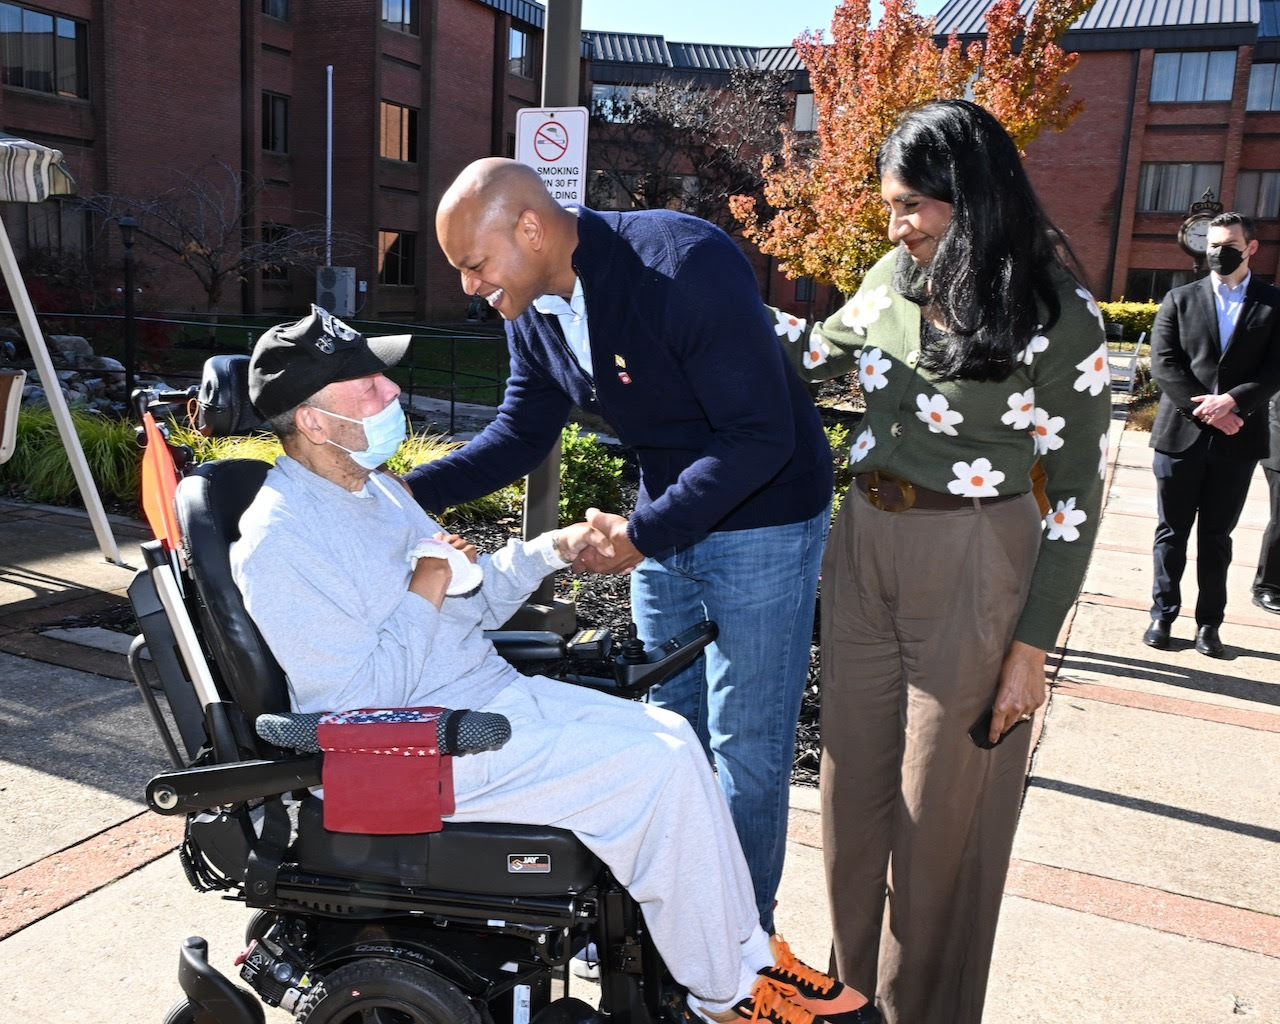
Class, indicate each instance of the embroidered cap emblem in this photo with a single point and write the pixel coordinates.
(333, 328)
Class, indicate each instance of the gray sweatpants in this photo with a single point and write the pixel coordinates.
(633, 783)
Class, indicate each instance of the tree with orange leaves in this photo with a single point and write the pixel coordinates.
(827, 218)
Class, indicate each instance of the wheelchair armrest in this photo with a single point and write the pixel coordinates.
(527, 644)
(191, 790)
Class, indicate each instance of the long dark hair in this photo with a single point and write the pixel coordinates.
(995, 258)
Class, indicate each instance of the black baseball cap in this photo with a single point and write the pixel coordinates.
(291, 362)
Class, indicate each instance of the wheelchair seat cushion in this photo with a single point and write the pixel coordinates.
(491, 858)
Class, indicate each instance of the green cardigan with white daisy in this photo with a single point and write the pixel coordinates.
(980, 438)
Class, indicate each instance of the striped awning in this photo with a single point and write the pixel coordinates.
(31, 173)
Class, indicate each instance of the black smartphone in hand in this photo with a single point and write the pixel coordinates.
(980, 731)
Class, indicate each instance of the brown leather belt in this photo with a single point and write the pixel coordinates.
(893, 494)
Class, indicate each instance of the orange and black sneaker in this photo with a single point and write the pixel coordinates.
(766, 1003)
(824, 997)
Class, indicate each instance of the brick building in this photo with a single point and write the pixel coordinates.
(136, 92)
(1178, 98)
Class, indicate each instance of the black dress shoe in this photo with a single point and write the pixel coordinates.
(1157, 634)
(1207, 642)
(1268, 600)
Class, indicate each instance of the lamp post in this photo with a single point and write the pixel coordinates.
(128, 229)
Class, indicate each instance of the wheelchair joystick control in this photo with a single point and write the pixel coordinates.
(632, 646)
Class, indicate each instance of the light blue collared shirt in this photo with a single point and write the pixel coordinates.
(573, 321)
(1229, 302)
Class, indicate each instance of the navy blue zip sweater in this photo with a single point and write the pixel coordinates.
(688, 372)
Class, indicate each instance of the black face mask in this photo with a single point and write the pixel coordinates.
(1225, 260)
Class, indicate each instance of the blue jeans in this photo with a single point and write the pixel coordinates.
(743, 697)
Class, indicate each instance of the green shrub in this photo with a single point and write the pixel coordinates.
(589, 476)
(264, 447)
(422, 448)
(838, 438)
(1134, 317)
(41, 471)
(417, 449)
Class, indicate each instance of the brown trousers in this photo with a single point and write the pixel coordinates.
(918, 610)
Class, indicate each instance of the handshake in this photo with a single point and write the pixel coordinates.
(445, 565)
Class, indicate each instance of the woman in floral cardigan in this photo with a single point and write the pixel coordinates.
(943, 587)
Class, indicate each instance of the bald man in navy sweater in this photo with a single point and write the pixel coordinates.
(653, 320)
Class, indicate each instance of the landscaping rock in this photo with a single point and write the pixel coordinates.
(105, 364)
(69, 349)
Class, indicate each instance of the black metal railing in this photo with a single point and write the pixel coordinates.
(457, 363)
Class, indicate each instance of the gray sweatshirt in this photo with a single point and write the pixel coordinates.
(325, 575)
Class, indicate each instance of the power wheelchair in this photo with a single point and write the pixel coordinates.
(474, 924)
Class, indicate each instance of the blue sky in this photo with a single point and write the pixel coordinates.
(737, 22)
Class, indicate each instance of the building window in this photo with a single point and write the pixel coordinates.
(401, 15)
(275, 123)
(56, 227)
(806, 289)
(806, 119)
(399, 133)
(1258, 194)
(1264, 87)
(272, 236)
(619, 103)
(1151, 285)
(520, 53)
(276, 9)
(397, 252)
(1172, 188)
(1193, 77)
(44, 52)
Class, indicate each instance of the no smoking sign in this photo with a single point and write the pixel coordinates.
(553, 141)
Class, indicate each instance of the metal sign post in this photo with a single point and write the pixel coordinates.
(561, 74)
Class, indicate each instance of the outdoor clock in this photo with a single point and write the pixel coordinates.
(1194, 233)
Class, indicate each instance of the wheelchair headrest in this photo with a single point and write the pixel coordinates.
(209, 504)
(223, 400)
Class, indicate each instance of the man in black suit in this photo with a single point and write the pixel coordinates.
(1266, 584)
(1215, 352)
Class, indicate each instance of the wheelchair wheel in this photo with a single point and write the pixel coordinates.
(379, 991)
(258, 926)
(181, 1012)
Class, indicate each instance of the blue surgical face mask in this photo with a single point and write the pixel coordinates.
(383, 432)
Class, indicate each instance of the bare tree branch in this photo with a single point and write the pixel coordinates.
(679, 145)
(200, 224)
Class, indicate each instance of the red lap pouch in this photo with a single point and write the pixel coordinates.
(383, 771)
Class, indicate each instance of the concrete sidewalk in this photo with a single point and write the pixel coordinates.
(1145, 885)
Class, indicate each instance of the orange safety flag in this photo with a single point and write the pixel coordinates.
(159, 484)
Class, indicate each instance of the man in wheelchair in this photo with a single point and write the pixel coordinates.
(361, 614)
